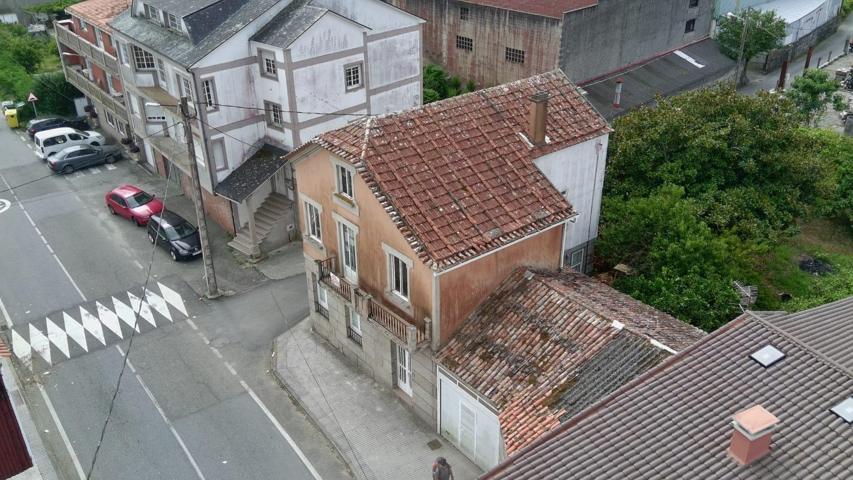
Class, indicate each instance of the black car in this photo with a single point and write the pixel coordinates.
(175, 234)
(39, 125)
(83, 156)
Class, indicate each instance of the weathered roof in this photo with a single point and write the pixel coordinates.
(546, 8)
(290, 23)
(181, 8)
(675, 420)
(98, 12)
(664, 75)
(457, 176)
(246, 178)
(546, 345)
(215, 26)
(827, 329)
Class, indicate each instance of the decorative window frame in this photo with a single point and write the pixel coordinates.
(348, 203)
(263, 56)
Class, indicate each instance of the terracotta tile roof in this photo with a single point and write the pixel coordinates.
(675, 420)
(456, 176)
(546, 345)
(98, 12)
(547, 8)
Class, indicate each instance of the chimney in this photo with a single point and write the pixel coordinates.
(751, 437)
(538, 116)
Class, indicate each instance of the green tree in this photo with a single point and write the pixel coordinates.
(54, 93)
(764, 32)
(743, 159)
(681, 266)
(56, 8)
(813, 92)
(836, 149)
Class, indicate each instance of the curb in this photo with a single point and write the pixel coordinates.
(301, 405)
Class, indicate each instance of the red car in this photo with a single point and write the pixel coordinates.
(133, 203)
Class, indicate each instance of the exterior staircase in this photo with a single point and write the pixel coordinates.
(274, 212)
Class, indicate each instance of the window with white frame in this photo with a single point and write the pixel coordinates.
(84, 26)
(312, 221)
(220, 160)
(352, 76)
(185, 87)
(122, 53)
(274, 115)
(161, 73)
(398, 276)
(142, 60)
(576, 260)
(111, 120)
(172, 22)
(208, 91)
(322, 296)
(344, 181)
(151, 13)
(347, 246)
(99, 38)
(268, 66)
(353, 319)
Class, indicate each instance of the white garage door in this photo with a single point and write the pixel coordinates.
(469, 425)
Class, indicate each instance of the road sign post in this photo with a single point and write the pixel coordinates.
(32, 98)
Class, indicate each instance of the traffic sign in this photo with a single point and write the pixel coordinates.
(32, 97)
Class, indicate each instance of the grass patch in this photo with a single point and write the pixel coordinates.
(825, 240)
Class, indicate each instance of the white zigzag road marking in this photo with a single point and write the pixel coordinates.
(158, 304)
(40, 343)
(173, 298)
(126, 314)
(58, 337)
(92, 325)
(21, 347)
(109, 319)
(75, 331)
(142, 307)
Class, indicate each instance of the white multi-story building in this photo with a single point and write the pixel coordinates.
(263, 76)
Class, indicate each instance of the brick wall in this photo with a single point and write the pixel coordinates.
(217, 208)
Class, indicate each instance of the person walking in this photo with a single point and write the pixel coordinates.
(441, 470)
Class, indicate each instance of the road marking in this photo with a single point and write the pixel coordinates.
(164, 417)
(136, 262)
(192, 324)
(281, 430)
(6, 314)
(62, 433)
(94, 170)
(217, 352)
(231, 369)
(111, 167)
(4, 205)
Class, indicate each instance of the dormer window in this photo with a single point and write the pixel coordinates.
(151, 13)
(172, 22)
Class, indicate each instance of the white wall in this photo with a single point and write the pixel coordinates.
(375, 14)
(485, 446)
(330, 34)
(394, 58)
(573, 173)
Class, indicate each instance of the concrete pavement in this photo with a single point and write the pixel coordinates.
(196, 400)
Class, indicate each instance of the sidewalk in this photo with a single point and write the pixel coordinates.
(375, 433)
(833, 45)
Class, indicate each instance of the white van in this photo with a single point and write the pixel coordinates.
(55, 140)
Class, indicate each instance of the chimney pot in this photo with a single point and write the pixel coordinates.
(538, 117)
(752, 434)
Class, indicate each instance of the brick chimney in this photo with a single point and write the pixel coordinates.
(538, 116)
(751, 437)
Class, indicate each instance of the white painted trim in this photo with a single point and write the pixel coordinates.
(662, 346)
(338, 218)
(563, 244)
(319, 208)
(395, 296)
(490, 252)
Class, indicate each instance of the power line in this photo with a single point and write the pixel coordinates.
(226, 134)
(263, 109)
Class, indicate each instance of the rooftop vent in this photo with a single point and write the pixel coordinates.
(767, 356)
(844, 410)
(751, 436)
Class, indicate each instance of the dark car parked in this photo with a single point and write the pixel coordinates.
(42, 124)
(175, 234)
(82, 156)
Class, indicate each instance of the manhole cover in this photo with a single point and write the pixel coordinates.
(434, 444)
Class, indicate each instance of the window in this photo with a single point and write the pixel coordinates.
(352, 76)
(208, 91)
(220, 160)
(321, 301)
(111, 120)
(514, 55)
(172, 22)
(154, 113)
(84, 26)
(151, 13)
(75, 136)
(398, 276)
(185, 88)
(576, 260)
(122, 53)
(353, 325)
(348, 251)
(464, 43)
(344, 181)
(312, 221)
(142, 59)
(161, 72)
(464, 14)
(274, 115)
(99, 39)
(690, 25)
(268, 66)
(693, 3)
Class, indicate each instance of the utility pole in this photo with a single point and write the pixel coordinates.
(741, 68)
(209, 274)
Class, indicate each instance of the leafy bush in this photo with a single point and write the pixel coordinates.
(438, 85)
(846, 7)
(54, 93)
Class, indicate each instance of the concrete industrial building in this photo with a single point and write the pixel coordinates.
(263, 77)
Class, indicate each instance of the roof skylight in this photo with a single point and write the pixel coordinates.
(844, 410)
(767, 356)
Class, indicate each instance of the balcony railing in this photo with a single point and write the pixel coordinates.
(396, 325)
(93, 90)
(82, 47)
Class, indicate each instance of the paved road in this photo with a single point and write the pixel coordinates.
(195, 400)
